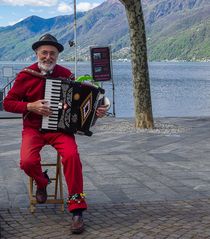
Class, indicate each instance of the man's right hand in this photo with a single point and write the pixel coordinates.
(39, 107)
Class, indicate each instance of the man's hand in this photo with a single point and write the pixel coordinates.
(39, 107)
(101, 111)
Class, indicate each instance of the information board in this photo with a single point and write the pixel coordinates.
(101, 63)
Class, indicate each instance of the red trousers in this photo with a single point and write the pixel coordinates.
(32, 142)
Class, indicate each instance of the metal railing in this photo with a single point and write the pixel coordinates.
(4, 91)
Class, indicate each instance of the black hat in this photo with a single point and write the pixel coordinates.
(47, 39)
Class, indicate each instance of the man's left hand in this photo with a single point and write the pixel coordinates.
(101, 111)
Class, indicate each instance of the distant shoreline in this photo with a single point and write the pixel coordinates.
(118, 61)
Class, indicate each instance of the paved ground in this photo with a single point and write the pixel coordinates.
(139, 184)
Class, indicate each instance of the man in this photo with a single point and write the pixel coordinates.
(26, 97)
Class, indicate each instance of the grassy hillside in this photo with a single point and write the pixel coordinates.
(187, 36)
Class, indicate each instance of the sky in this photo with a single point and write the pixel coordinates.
(13, 11)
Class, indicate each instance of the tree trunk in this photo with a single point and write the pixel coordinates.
(142, 96)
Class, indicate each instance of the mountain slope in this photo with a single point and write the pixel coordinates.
(176, 29)
(182, 34)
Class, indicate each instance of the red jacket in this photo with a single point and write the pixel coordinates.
(30, 88)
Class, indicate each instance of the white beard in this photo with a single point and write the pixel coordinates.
(46, 68)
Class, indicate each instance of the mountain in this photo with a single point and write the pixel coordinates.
(16, 40)
(176, 29)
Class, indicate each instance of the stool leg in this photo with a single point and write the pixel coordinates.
(57, 175)
(61, 182)
(32, 207)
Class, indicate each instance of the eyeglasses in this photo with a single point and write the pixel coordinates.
(46, 53)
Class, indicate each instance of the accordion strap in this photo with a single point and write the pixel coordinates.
(33, 73)
(40, 75)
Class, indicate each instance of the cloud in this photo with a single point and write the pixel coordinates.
(85, 6)
(61, 7)
(65, 8)
(36, 11)
(14, 22)
(81, 7)
(35, 3)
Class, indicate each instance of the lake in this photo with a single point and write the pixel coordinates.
(178, 89)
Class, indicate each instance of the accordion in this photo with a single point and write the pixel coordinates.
(73, 104)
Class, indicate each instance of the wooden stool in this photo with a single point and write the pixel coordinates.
(52, 198)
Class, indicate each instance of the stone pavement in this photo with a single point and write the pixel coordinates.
(139, 184)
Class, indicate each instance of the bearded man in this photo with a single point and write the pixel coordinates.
(27, 97)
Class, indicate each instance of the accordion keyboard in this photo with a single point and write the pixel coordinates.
(52, 95)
